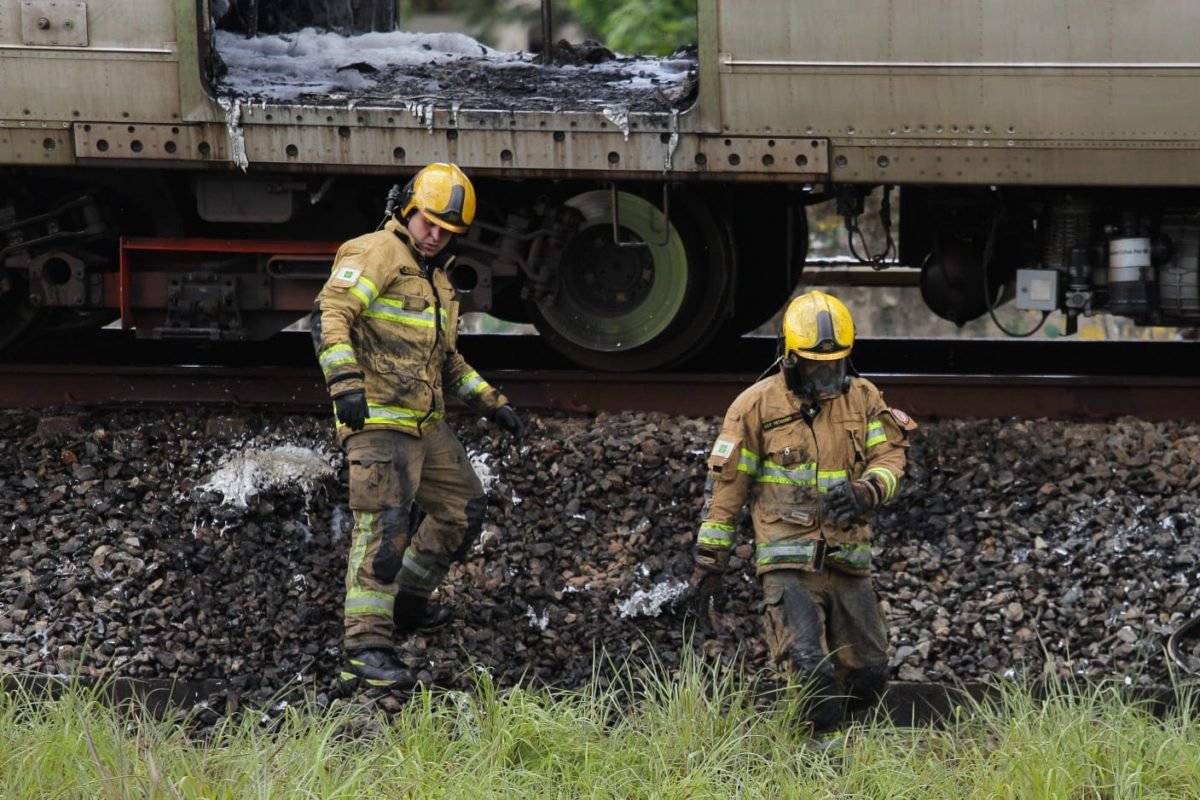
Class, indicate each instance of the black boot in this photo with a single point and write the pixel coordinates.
(377, 669)
(418, 614)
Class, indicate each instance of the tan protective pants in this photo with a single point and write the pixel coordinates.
(391, 569)
(827, 628)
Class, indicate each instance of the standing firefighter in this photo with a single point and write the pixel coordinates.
(814, 450)
(384, 327)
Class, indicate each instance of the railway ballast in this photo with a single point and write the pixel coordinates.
(198, 547)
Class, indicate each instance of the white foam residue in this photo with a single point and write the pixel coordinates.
(340, 523)
(479, 462)
(246, 474)
(619, 116)
(286, 67)
(536, 621)
(237, 137)
(672, 142)
(650, 602)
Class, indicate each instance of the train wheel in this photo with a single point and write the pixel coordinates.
(651, 300)
(772, 246)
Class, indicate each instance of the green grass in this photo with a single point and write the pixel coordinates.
(705, 732)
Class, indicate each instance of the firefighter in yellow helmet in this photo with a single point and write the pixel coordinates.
(385, 327)
(813, 450)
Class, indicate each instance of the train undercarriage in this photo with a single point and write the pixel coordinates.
(615, 277)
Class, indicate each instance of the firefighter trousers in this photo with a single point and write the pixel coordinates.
(827, 628)
(392, 569)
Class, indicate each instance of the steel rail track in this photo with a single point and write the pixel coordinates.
(690, 394)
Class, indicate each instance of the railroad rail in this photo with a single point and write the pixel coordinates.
(929, 378)
(690, 394)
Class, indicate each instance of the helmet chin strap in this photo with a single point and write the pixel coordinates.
(792, 377)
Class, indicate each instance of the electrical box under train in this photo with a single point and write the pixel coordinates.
(161, 172)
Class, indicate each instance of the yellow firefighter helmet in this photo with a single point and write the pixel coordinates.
(818, 334)
(444, 194)
(817, 326)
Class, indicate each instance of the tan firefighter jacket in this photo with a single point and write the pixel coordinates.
(385, 324)
(770, 453)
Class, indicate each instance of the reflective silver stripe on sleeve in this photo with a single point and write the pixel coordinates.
(715, 534)
(365, 291)
(875, 433)
(336, 356)
(889, 481)
(471, 385)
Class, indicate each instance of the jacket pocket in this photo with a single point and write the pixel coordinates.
(789, 474)
(788, 537)
(416, 303)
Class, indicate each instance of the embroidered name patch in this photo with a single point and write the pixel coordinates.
(802, 516)
(775, 423)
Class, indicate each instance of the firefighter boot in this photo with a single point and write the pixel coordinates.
(376, 669)
(418, 614)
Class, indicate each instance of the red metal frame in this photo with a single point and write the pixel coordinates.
(177, 245)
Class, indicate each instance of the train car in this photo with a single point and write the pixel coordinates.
(160, 172)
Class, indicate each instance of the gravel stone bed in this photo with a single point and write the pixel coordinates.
(206, 546)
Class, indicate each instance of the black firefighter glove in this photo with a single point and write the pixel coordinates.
(351, 409)
(507, 418)
(849, 500)
(707, 592)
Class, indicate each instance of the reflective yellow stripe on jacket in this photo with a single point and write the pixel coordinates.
(395, 415)
(394, 311)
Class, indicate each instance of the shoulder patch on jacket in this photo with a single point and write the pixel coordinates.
(903, 420)
(723, 448)
(345, 276)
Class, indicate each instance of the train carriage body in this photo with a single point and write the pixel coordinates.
(1043, 150)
